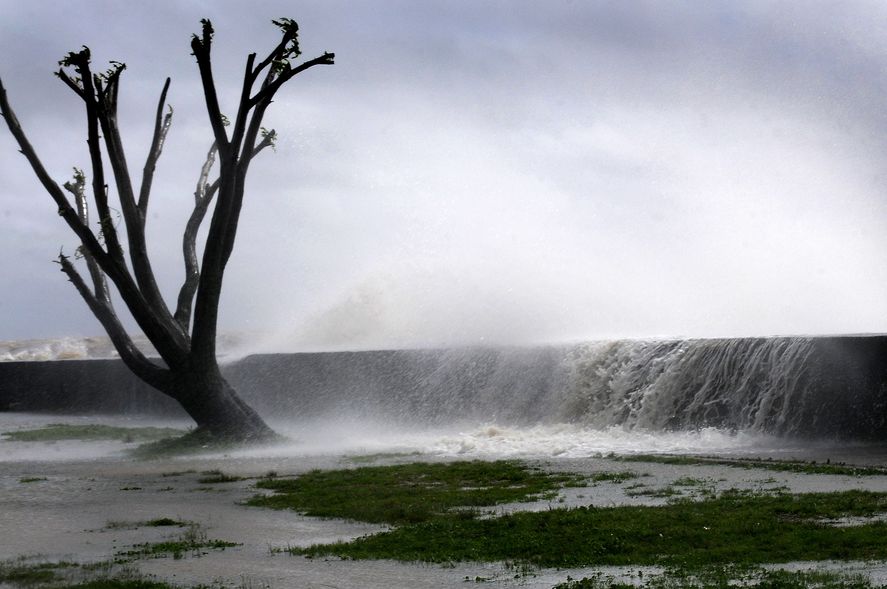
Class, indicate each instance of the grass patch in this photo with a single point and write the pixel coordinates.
(728, 577)
(177, 473)
(193, 541)
(613, 477)
(160, 522)
(732, 528)
(370, 458)
(175, 548)
(164, 522)
(56, 432)
(17, 573)
(793, 466)
(116, 583)
(409, 493)
(72, 575)
(25, 480)
(217, 476)
(193, 442)
(656, 493)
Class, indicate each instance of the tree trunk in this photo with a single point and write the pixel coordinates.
(216, 407)
(189, 372)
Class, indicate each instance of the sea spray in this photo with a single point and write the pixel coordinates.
(754, 384)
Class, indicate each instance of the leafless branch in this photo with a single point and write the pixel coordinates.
(161, 128)
(78, 190)
(203, 196)
(201, 47)
(129, 353)
(111, 265)
(106, 89)
(65, 210)
(267, 92)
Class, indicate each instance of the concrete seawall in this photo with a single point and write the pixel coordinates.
(835, 389)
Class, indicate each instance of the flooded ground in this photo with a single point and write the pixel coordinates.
(81, 501)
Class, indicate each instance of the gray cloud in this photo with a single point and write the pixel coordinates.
(495, 172)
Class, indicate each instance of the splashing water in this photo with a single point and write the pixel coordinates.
(729, 395)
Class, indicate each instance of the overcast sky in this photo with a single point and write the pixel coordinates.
(489, 172)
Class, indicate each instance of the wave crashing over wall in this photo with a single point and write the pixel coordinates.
(814, 387)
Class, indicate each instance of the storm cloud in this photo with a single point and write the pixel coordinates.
(490, 172)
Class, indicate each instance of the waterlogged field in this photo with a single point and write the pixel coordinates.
(435, 509)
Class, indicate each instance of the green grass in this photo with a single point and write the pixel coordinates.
(192, 541)
(794, 466)
(18, 573)
(165, 521)
(655, 493)
(409, 493)
(158, 522)
(738, 528)
(613, 477)
(25, 573)
(727, 577)
(115, 583)
(370, 458)
(192, 442)
(175, 548)
(56, 432)
(217, 476)
(25, 480)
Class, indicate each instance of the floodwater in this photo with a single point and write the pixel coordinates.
(90, 494)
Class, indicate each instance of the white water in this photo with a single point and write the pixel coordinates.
(332, 439)
(737, 397)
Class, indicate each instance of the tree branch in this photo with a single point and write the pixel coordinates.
(106, 102)
(203, 196)
(201, 48)
(78, 189)
(65, 210)
(268, 91)
(161, 127)
(151, 373)
(112, 266)
(243, 106)
(288, 41)
(80, 62)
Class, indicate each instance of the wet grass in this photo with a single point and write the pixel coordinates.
(193, 541)
(177, 473)
(793, 466)
(655, 493)
(426, 502)
(410, 493)
(217, 476)
(116, 583)
(613, 477)
(25, 573)
(164, 522)
(18, 573)
(726, 577)
(57, 432)
(159, 522)
(191, 443)
(371, 458)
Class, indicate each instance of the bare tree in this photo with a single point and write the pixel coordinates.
(187, 369)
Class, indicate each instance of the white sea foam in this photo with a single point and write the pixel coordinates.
(230, 346)
(574, 441)
(65, 348)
